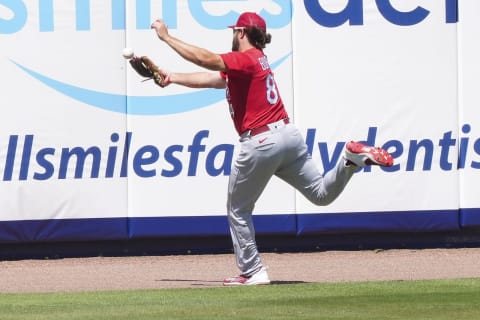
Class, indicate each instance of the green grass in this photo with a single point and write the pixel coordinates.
(444, 299)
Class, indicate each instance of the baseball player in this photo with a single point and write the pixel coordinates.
(270, 144)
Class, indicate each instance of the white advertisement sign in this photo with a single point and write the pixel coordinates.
(81, 136)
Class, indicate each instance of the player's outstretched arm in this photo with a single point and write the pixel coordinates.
(199, 56)
(198, 80)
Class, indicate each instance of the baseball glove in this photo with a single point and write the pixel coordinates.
(147, 69)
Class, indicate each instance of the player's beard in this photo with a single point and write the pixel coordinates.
(235, 44)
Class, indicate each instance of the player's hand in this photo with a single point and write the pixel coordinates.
(164, 79)
(161, 28)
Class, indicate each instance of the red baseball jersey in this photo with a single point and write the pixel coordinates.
(252, 93)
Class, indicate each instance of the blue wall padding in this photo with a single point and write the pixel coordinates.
(63, 230)
(278, 224)
(470, 218)
(177, 226)
(409, 221)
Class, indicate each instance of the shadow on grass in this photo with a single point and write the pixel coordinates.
(199, 282)
(287, 282)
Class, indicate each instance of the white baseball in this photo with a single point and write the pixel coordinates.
(127, 53)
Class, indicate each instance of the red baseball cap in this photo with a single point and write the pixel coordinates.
(250, 19)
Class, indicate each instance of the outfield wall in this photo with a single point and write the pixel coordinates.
(89, 152)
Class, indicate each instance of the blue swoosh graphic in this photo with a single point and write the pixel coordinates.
(137, 105)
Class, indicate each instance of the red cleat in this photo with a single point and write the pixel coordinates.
(258, 278)
(362, 155)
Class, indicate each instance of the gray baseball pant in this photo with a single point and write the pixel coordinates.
(282, 152)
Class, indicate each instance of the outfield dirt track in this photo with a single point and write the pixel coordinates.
(200, 271)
